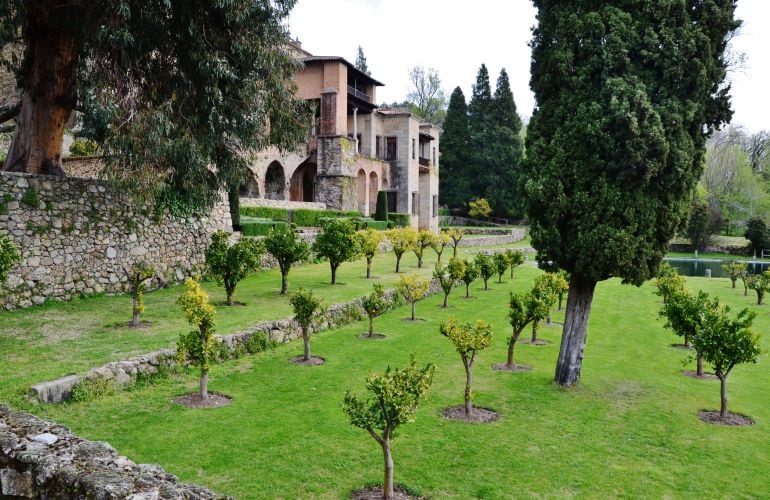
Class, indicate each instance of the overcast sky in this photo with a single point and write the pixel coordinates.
(455, 37)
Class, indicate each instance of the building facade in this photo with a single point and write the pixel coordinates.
(355, 150)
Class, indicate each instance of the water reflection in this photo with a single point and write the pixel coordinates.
(698, 267)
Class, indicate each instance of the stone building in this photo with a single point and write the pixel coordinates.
(355, 150)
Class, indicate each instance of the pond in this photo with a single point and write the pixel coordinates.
(698, 267)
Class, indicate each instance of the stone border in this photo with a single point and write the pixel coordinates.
(125, 373)
(42, 459)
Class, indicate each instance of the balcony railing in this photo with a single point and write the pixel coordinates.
(361, 95)
(424, 162)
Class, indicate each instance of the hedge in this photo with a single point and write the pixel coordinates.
(260, 228)
(266, 213)
(400, 220)
(304, 217)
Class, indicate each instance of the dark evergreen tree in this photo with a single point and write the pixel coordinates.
(503, 153)
(627, 93)
(454, 179)
(479, 128)
(361, 62)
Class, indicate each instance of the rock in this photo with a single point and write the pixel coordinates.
(45, 438)
(57, 390)
(16, 484)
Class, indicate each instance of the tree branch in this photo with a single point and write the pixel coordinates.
(7, 129)
(9, 111)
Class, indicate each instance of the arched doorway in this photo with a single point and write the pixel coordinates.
(303, 183)
(361, 190)
(373, 188)
(275, 182)
(250, 188)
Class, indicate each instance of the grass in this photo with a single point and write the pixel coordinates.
(629, 430)
(716, 256)
(75, 336)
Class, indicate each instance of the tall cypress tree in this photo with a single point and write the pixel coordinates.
(503, 152)
(479, 125)
(453, 180)
(627, 93)
(361, 61)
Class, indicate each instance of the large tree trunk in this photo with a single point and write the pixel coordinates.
(306, 340)
(573, 340)
(723, 392)
(48, 90)
(387, 485)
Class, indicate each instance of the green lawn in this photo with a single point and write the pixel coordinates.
(57, 339)
(629, 430)
(718, 256)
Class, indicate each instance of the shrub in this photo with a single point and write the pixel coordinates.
(197, 347)
(250, 227)
(139, 273)
(413, 289)
(381, 212)
(468, 339)
(479, 208)
(287, 247)
(258, 342)
(305, 217)
(402, 239)
(229, 264)
(306, 306)
(368, 241)
(756, 233)
(395, 396)
(400, 220)
(9, 257)
(83, 147)
(280, 214)
(336, 242)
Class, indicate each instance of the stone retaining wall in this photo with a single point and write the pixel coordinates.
(290, 205)
(124, 373)
(504, 239)
(44, 460)
(80, 236)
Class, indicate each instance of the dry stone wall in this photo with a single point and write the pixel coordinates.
(124, 373)
(79, 236)
(44, 460)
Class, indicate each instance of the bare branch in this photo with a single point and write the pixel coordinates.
(9, 111)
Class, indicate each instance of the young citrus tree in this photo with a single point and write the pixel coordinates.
(500, 261)
(544, 293)
(485, 267)
(424, 240)
(735, 270)
(229, 264)
(413, 289)
(374, 304)
(368, 241)
(684, 313)
(523, 309)
(306, 307)
(558, 287)
(725, 342)
(562, 289)
(197, 347)
(336, 242)
(469, 339)
(402, 239)
(470, 275)
(456, 234)
(137, 275)
(449, 275)
(515, 259)
(668, 281)
(395, 397)
(439, 243)
(760, 283)
(288, 248)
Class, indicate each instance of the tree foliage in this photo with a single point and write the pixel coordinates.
(684, 313)
(361, 61)
(500, 260)
(523, 309)
(485, 267)
(456, 234)
(757, 234)
(198, 346)
(413, 289)
(288, 248)
(448, 276)
(401, 239)
(336, 242)
(699, 225)
(515, 259)
(368, 241)
(229, 264)
(735, 271)
(425, 239)
(454, 181)
(470, 274)
(426, 96)
(627, 93)
(479, 208)
(760, 283)
(395, 396)
(468, 339)
(307, 307)
(439, 243)
(374, 304)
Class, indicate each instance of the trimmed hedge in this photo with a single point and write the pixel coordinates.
(400, 220)
(303, 217)
(260, 227)
(266, 213)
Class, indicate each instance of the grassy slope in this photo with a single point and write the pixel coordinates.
(629, 430)
(75, 336)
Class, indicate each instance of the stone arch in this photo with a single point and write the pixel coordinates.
(374, 186)
(302, 186)
(250, 187)
(361, 190)
(275, 182)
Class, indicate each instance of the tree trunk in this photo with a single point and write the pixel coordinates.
(371, 326)
(699, 365)
(284, 282)
(733, 280)
(468, 381)
(439, 256)
(306, 340)
(512, 268)
(485, 284)
(48, 93)
(687, 343)
(234, 201)
(398, 263)
(135, 319)
(573, 340)
(745, 289)
(467, 291)
(387, 485)
(413, 303)
(723, 392)
(368, 268)
(230, 293)
(511, 345)
(419, 261)
(454, 250)
(334, 274)
(548, 319)
(561, 299)
(204, 386)
(446, 298)
(535, 327)
(759, 298)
